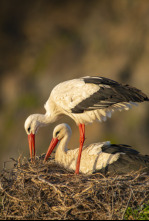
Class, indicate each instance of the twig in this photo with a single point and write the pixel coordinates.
(127, 205)
(50, 184)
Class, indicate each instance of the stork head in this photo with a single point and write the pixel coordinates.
(31, 125)
(60, 131)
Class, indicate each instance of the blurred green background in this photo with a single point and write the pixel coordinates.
(45, 42)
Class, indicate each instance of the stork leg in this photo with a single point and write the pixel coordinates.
(82, 139)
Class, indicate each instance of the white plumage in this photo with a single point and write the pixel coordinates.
(92, 158)
(65, 96)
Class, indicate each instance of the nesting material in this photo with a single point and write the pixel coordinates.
(47, 191)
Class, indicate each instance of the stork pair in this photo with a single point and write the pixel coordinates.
(84, 100)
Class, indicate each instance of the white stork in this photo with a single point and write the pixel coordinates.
(97, 157)
(85, 100)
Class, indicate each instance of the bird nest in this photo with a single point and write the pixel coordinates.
(47, 191)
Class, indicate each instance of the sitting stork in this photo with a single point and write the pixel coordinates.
(98, 157)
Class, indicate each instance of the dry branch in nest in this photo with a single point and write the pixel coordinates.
(47, 191)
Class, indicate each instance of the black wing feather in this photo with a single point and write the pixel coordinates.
(128, 162)
(120, 148)
(108, 96)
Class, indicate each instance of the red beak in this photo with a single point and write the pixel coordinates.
(51, 148)
(31, 141)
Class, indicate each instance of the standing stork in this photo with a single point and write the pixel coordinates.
(84, 100)
(98, 157)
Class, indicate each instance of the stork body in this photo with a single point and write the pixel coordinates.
(105, 157)
(85, 100)
(91, 98)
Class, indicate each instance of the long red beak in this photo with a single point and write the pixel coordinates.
(51, 148)
(31, 141)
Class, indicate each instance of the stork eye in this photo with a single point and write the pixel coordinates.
(29, 129)
(57, 133)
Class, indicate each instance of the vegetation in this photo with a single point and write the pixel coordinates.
(140, 213)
